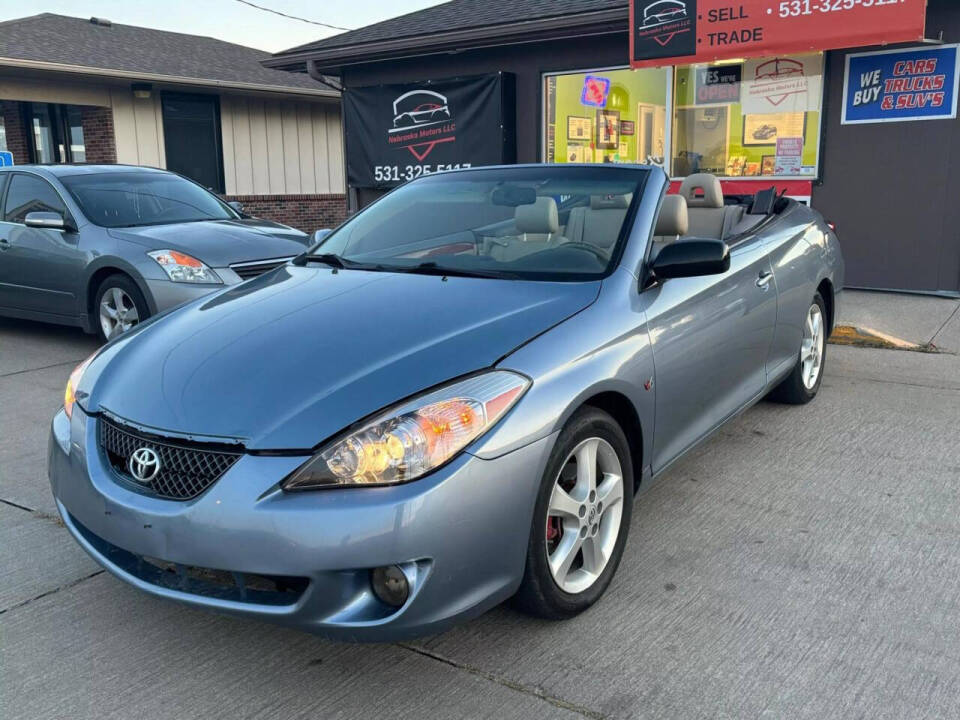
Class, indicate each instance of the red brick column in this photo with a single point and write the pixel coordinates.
(15, 131)
(98, 138)
(304, 212)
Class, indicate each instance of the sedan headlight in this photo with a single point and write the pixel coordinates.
(181, 267)
(411, 439)
(70, 394)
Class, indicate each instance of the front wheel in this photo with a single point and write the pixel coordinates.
(802, 384)
(581, 518)
(118, 306)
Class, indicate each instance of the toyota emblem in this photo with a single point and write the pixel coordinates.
(144, 464)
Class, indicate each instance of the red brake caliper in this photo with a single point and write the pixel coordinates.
(553, 528)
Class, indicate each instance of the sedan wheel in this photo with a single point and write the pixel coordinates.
(117, 313)
(119, 306)
(583, 517)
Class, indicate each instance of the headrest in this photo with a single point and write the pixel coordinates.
(610, 202)
(539, 217)
(702, 191)
(673, 219)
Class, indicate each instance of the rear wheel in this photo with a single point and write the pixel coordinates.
(118, 306)
(581, 518)
(802, 384)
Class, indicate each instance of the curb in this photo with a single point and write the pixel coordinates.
(870, 338)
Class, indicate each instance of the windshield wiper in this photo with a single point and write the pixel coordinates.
(431, 268)
(325, 258)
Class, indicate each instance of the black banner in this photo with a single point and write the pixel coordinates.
(396, 133)
(663, 29)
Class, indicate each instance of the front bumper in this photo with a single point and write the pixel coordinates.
(460, 533)
(164, 294)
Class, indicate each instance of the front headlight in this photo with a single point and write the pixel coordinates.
(181, 267)
(70, 394)
(409, 440)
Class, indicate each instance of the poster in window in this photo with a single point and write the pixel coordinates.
(579, 154)
(579, 129)
(735, 165)
(751, 169)
(768, 165)
(608, 129)
(782, 84)
(765, 129)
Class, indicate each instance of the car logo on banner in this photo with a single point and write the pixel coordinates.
(666, 28)
(144, 464)
(421, 121)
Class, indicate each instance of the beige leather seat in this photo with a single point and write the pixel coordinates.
(672, 223)
(599, 225)
(538, 226)
(709, 217)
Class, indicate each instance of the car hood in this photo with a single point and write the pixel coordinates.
(219, 243)
(294, 356)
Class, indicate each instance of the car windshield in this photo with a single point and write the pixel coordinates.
(540, 223)
(121, 199)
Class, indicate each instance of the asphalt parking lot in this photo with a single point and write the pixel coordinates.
(803, 563)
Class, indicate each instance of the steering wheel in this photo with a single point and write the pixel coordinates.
(597, 252)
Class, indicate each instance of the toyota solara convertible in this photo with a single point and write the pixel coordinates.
(450, 401)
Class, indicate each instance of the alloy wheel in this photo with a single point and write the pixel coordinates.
(583, 515)
(118, 312)
(811, 349)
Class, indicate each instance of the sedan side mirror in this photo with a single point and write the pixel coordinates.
(319, 235)
(236, 205)
(692, 258)
(46, 220)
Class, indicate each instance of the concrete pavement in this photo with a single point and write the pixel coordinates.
(803, 563)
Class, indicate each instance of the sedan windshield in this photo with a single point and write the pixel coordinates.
(546, 223)
(120, 199)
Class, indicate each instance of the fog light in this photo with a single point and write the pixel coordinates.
(390, 585)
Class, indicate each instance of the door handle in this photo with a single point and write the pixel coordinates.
(764, 280)
(4, 244)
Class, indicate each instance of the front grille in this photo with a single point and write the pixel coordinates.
(186, 469)
(254, 269)
(216, 584)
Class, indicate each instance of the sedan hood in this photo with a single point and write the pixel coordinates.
(294, 356)
(219, 243)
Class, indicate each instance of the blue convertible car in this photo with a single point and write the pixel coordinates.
(450, 401)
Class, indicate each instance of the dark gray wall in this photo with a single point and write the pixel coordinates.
(891, 188)
(887, 187)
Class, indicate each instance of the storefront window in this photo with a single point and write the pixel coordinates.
(57, 133)
(607, 116)
(748, 119)
(3, 136)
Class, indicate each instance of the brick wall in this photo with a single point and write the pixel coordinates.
(304, 212)
(98, 136)
(15, 131)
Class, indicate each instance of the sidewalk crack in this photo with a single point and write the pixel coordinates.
(69, 585)
(945, 323)
(510, 684)
(43, 367)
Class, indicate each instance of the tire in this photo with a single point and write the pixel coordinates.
(797, 388)
(118, 289)
(540, 592)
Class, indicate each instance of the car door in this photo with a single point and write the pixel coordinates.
(40, 269)
(711, 336)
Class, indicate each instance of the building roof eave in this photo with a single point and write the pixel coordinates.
(331, 59)
(94, 72)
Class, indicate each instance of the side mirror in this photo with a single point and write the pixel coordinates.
(319, 235)
(236, 205)
(692, 258)
(46, 220)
